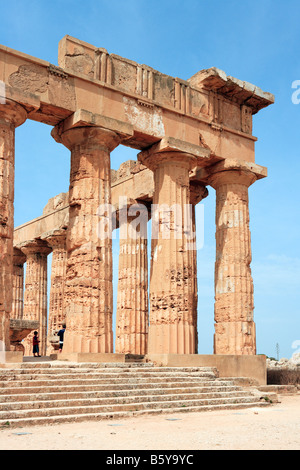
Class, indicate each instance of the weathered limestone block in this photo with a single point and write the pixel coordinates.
(132, 300)
(19, 259)
(88, 288)
(171, 328)
(19, 329)
(56, 204)
(234, 304)
(56, 239)
(35, 295)
(11, 116)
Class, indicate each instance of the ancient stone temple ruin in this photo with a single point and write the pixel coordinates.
(190, 135)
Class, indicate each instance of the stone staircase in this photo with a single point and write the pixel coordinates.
(48, 393)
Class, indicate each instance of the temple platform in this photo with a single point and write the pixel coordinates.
(250, 366)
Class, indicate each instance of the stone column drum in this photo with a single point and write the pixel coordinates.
(171, 326)
(11, 116)
(88, 289)
(57, 315)
(132, 301)
(234, 322)
(35, 294)
(19, 259)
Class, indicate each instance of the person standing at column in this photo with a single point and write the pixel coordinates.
(61, 337)
(35, 345)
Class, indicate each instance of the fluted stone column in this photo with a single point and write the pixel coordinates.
(12, 115)
(88, 289)
(171, 326)
(35, 294)
(132, 300)
(57, 315)
(19, 259)
(234, 322)
(198, 191)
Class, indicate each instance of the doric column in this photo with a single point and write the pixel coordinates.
(234, 322)
(88, 289)
(19, 259)
(198, 191)
(11, 116)
(35, 294)
(132, 300)
(57, 316)
(171, 327)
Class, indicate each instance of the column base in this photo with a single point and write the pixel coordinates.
(253, 367)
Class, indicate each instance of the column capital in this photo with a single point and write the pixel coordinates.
(170, 149)
(153, 160)
(87, 137)
(232, 177)
(198, 191)
(12, 112)
(231, 172)
(33, 247)
(55, 238)
(19, 258)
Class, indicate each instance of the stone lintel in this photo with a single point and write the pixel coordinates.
(29, 101)
(205, 175)
(20, 328)
(243, 92)
(83, 118)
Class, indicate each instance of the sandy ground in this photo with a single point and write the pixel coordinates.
(272, 428)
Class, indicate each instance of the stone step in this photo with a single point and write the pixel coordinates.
(49, 393)
(75, 365)
(107, 373)
(134, 406)
(95, 378)
(71, 394)
(122, 399)
(59, 419)
(96, 381)
(105, 370)
(13, 389)
(279, 389)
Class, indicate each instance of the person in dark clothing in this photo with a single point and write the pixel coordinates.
(35, 344)
(61, 337)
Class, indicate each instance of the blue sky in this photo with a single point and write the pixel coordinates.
(257, 41)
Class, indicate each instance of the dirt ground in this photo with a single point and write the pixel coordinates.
(271, 428)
